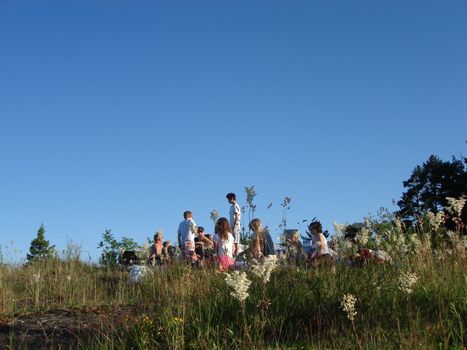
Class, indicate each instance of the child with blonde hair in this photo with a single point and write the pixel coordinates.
(262, 244)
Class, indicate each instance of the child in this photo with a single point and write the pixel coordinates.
(166, 247)
(186, 237)
(224, 245)
(262, 244)
(295, 253)
(319, 245)
(235, 217)
(156, 250)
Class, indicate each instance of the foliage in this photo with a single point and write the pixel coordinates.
(40, 248)
(250, 196)
(417, 302)
(112, 248)
(429, 186)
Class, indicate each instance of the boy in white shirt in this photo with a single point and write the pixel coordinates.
(235, 217)
(186, 236)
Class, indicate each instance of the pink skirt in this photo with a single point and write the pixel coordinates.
(224, 262)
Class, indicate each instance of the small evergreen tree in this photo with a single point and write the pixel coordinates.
(40, 248)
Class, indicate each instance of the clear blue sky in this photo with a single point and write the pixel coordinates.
(122, 114)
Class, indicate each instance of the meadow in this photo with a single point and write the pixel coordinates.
(417, 301)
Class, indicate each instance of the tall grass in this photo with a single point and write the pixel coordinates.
(299, 308)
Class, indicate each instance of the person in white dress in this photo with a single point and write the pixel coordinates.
(224, 245)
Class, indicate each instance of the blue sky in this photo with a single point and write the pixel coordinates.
(122, 114)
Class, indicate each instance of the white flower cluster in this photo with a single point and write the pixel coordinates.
(264, 270)
(348, 305)
(240, 284)
(338, 228)
(36, 277)
(435, 220)
(415, 243)
(214, 216)
(455, 206)
(407, 281)
(363, 236)
(398, 224)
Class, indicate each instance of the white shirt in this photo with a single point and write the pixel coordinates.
(186, 231)
(224, 247)
(314, 246)
(235, 209)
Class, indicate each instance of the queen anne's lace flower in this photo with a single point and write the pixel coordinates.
(240, 284)
(348, 305)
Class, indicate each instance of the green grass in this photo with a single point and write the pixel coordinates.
(182, 308)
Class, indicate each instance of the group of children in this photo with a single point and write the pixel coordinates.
(198, 248)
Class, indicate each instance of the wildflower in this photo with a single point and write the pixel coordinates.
(264, 270)
(348, 245)
(36, 277)
(68, 278)
(407, 281)
(455, 206)
(214, 216)
(178, 320)
(415, 242)
(398, 224)
(337, 228)
(435, 220)
(239, 282)
(146, 320)
(348, 305)
(378, 240)
(363, 236)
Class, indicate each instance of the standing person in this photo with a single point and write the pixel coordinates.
(156, 250)
(262, 245)
(235, 217)
(224, 245)
(186, 237)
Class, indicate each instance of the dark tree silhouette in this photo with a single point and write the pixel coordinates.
(430, 184)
